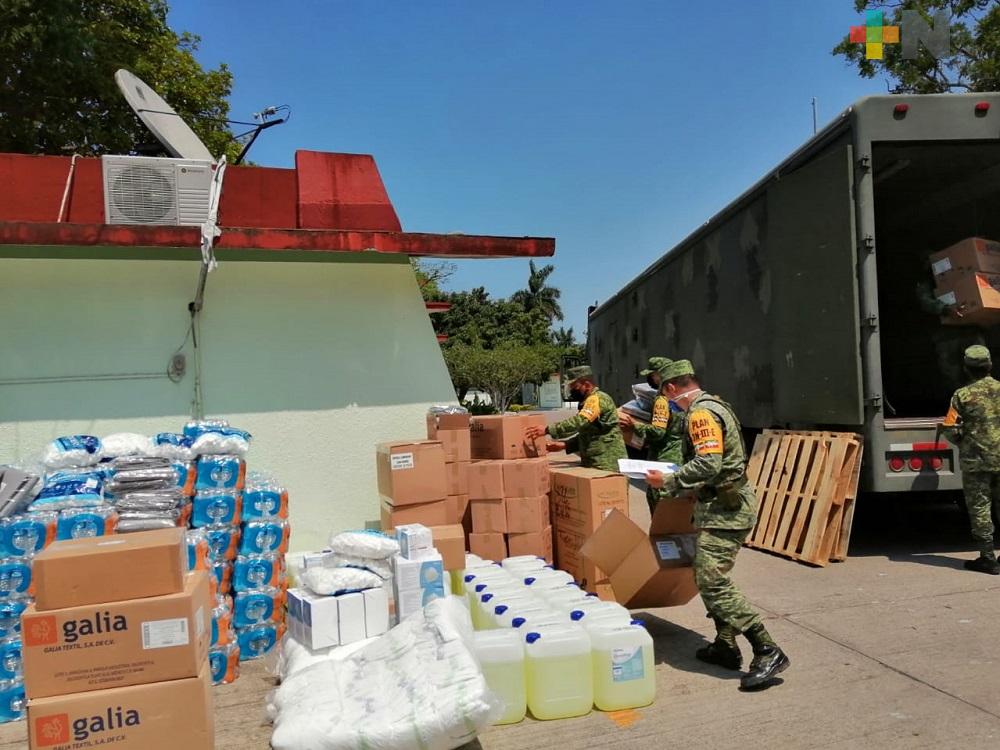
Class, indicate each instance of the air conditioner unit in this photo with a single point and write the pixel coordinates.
(152, 190)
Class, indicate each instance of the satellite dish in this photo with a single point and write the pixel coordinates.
(168, 126)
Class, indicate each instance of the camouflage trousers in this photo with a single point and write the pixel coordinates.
(982, 490)
(716, 555)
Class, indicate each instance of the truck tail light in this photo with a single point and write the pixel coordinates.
(897, 464)
(936, 463)
(982, 108)
(916, 463)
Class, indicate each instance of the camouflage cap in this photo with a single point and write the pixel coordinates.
(977, 355)
(575, 373)
(676, 369)
(655, 365)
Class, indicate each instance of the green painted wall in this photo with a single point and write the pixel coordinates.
(319, 361)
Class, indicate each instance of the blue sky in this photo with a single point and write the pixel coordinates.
(616, 128)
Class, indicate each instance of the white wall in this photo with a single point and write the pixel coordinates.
(319, 361)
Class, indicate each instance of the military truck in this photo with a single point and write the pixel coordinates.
(808, 302)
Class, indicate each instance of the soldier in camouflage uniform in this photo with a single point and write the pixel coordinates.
(973, 422)
(598, 438)
(715, 472)
(664, 435)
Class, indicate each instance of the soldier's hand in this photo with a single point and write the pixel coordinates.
(625, 420)
(534, 432)
(655, 479)
(554, 446)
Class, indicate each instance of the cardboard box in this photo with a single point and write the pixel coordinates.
(458, 510)
(94, 647)
(975, 297)
(580, 501)
(527, 514)
(158, 716)
(428, 514)
(129, 566)
(526, 477)
(648, 570)
(972, 254)
(414, 540)
(416, 583)
(452, 430)
(489, 515)
(411, 472)
(537, 543)
(489, 545)
(457, 476)
(449, 541)
(628, 433)
(376, 612)
(501, 436)
(485, 480)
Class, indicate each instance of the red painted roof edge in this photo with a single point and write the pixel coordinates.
(277, 240)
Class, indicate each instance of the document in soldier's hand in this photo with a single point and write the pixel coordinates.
(637, 469)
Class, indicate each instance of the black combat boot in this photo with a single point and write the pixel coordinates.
(768, 660)
(721, 654)
(984, 564)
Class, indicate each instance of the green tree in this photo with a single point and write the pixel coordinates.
(974, 62)
(57, 64)
(500, 372)
(538, 296)
(430, 275)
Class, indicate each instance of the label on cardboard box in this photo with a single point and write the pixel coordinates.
(667, 550)
(942, 266)
(401, 461)
(166, 633)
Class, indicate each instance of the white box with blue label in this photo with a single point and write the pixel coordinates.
(416, 583)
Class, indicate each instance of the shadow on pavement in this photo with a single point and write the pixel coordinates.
(675, 645)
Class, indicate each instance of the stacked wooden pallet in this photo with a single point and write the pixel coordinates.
(807, 484)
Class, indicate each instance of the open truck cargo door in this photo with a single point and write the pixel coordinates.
(815, 343)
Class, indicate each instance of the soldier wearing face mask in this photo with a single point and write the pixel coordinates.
(598, 439)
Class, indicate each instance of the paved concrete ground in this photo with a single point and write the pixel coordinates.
(895, 648)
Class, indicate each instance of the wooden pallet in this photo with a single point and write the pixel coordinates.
(806, 485)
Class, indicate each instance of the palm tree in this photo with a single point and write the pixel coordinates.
(564, 338)
(538, 296)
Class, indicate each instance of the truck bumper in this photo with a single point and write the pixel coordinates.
(910, 456)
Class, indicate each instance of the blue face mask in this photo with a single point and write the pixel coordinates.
(674, 407)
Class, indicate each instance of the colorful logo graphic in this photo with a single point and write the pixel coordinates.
(41, 631)
(52, 730)
(875, 35)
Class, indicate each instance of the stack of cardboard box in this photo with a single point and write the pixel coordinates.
(508, 489)
(967, 279)
(116, 645)
(454, 433)
(580, 501)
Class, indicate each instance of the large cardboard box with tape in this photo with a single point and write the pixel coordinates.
(116, 644)
(171, 715)
(648, 570)
(580, 500)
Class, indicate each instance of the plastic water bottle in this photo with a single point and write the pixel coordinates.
(564, 597)
(254, 607)
(10, 659)
(13, 704)
(224, 663)
(522, 565)
(15, 577)
(624, 667)
(559, 672)
(476, 576)
(501, 655)
(256, 641)
(488, 599)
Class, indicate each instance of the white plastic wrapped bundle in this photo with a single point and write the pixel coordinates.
(332, 581)
(70, 489)
(416, 688)
(292, 657)
(368, 544)
(214, 436)
(127, 444)
(73, 450)
(381, 568)
(173, 446)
